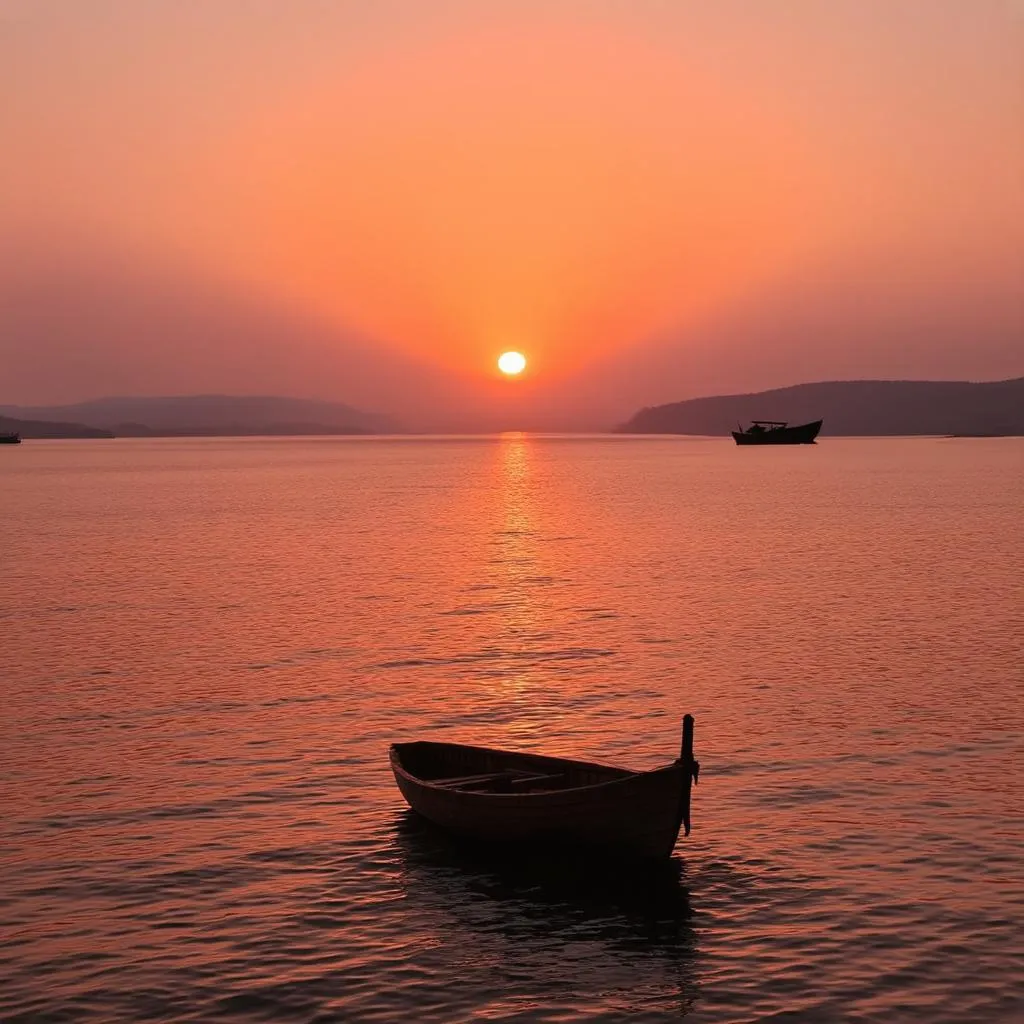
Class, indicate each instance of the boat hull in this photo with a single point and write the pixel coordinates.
(803, 434)
(10, 439)
(598, 808)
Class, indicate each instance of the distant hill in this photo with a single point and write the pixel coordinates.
(852, 407)
(41, 429)
(236, 430)
(195, 415)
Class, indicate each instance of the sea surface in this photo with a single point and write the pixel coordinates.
(206, 647)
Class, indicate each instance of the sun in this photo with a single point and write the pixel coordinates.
(511, 363)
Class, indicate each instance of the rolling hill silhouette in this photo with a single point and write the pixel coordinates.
(211, 414)
(853, 407)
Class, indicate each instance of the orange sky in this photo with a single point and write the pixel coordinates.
(641, 196)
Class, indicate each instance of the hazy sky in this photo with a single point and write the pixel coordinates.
(368, 201)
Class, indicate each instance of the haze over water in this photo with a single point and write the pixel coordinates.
(209, 644)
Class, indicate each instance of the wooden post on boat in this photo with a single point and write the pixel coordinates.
(686, 753)
(690, 770)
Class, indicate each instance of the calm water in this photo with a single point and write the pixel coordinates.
(206, 647)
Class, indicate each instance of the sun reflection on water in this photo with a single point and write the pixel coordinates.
(517, 559)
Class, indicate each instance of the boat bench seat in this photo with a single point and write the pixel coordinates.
(529, 781)
(468, 780)
(508, 781)
(515, 779)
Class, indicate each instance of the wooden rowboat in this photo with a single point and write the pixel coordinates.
(504, 797)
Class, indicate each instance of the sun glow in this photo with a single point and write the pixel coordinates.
(511, 363)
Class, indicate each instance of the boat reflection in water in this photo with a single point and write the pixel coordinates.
(536, 927)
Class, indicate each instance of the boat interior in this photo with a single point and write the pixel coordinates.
(481, 770)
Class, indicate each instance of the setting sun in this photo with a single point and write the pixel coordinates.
(511, 363)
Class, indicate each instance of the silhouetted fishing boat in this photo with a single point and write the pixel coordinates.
(505, 797)
(777, 432)
(10, 438)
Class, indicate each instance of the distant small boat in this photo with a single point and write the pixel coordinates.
(777, 432)
(504, 797)
(10, 438)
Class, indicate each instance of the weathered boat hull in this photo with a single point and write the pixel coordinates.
(596, 807)
(803, 434)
